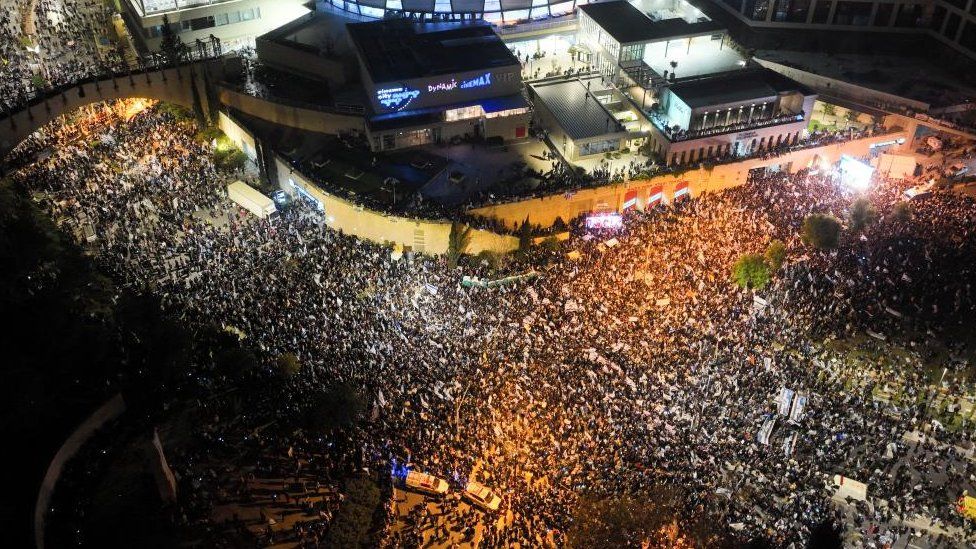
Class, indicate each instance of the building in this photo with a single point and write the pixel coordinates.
(236, 23)
(434, 82)
(952, 22)
(493, 11)
(585, 117)
(628, 46)
(730, 114)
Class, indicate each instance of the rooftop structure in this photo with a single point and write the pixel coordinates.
(628, 25)
(399, 49)
(235, 22)
(586, 117)
(632, 47)
(494, 11)
(948, 21)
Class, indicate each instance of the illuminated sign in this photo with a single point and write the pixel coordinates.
(396, 98)
(482, 81)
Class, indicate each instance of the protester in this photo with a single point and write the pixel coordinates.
(639, 365)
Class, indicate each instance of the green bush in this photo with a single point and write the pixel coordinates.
(821, 231)
(861, 214)
(775, 255)
(352, 523)
(902, 211)
(751, 272)
(287, 365)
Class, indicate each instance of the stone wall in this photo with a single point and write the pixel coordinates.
(569, 205)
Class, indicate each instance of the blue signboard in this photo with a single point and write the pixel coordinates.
(399, 97)
(396, 98)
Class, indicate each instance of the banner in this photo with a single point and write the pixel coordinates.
(799, 405)
(789, 444)
(766, 430)
(785, 399)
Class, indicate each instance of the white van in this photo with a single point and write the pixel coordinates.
(480, 496)
(427, 484)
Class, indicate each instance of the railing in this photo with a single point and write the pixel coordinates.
(95, 73)
(677, 135)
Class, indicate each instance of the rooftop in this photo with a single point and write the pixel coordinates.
(735, 87)
(397, 49)
(627, 24)
(578, 111)
(931, 81)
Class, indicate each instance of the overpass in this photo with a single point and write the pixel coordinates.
(173, 84)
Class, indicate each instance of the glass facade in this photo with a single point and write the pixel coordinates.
(495, 11)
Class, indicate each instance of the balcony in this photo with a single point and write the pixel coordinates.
(675, 135)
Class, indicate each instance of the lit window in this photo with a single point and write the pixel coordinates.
(442, 6)
(371, 12)
(247, 15)
(221, 19)
(464, 113)
(394, 5)
(492, 6)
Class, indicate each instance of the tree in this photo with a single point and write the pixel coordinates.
(861, 214)
(750, 272)
(287, 366)
(901, 212)
(829, 110)
(525, 236)
(336, 408)
(354, 519)
(775, 255)
(821, 231)
(851, 116)
(457, 243)
(826, 535)
(171, 46)
(625, 521)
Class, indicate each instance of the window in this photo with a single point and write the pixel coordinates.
(247, 15)
(883, 17)
(234, 17)
(756, 9)
(492, 6)
(463, 113)
(852, 13)
(793, 11)
(442, 6)
(221, 19)
(909, 15)
(597, 147)
(821, 11)
(952, 26)
(370, 11)
(968, 37)
(201, 23)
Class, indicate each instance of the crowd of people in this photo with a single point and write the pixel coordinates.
(638, 365)
(46, 44)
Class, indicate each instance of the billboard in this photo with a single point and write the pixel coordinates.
(444, 90)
